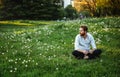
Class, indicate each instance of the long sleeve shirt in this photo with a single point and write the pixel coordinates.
(82, 43)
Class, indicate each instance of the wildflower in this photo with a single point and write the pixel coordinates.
(36, 63)
(11, 70)
(3, 53)
(19, 58)
(26, 61)
(29, 60)
(49, 58)
(15, 68)
(105, 29)
(54, 56)
(16, 59)
(23, 62)
(56, 68)
(26, 65)
(15, 62)
(28, 53)
(101, 60)
(33, 60)
(10, 60)
(6, 58)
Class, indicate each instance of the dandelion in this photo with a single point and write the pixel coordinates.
(26, 61)
(19, 58)
(105, 29)
(16, 59)
(28, 40)
(98, 41)
(49, 58)
(26, 65)
(15, 69)
(13, 53)
(54, 56)
(15, 62)
(29, 60)
(3, 53)
(56, 68)
(47, 49)
(23, 62)
(7, 51)
(11, 70)
(33, 60)
(44, 56)
(25, 52)
(101, 60)
(28, 53)
(10, 60)
(36, 63)
(6, 58)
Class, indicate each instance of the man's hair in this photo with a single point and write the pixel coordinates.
(85, 28)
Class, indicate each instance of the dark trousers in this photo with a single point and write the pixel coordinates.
(80, 55)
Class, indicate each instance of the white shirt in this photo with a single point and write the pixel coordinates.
(84, 43)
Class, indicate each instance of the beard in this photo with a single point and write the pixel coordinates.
(82, 34)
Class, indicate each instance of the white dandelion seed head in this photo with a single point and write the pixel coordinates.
(29, 60)
(26, 65)
(56, 68)
(3, 53)
(36, 63)
(101, 60)
(11, 70)
(15, 68)
(15, 62)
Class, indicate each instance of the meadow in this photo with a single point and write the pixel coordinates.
(30, 48)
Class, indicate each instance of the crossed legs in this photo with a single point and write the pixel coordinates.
(80, 55)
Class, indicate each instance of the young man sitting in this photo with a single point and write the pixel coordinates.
(82, 45)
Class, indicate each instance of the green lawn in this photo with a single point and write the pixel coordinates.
(31, 48)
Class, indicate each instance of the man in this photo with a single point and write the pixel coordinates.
(82, 45)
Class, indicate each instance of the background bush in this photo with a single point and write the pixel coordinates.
(29, 9)
(71, 12)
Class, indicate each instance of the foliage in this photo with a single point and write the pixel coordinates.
(109, 7)
(30, 9)
(44, 49)
(71, 12)
(85, 14)
(101, 7)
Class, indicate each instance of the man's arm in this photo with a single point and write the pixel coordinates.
(93, 45)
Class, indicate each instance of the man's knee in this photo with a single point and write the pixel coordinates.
(74, 52)
(97, 51)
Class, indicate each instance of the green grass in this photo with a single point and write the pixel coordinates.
(44, 48)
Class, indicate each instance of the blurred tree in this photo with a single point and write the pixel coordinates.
(99, 7)
(31, 9)
(115, 6)
(108, 7)
(91, 5)
(86, 5)
(71, 12)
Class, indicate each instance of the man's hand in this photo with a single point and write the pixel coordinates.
(91, 51)
(85, 52)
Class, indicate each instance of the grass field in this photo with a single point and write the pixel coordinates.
(31, 48)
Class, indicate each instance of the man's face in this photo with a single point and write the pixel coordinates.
(82, 32)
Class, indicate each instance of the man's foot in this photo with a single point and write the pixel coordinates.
(86, 57)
